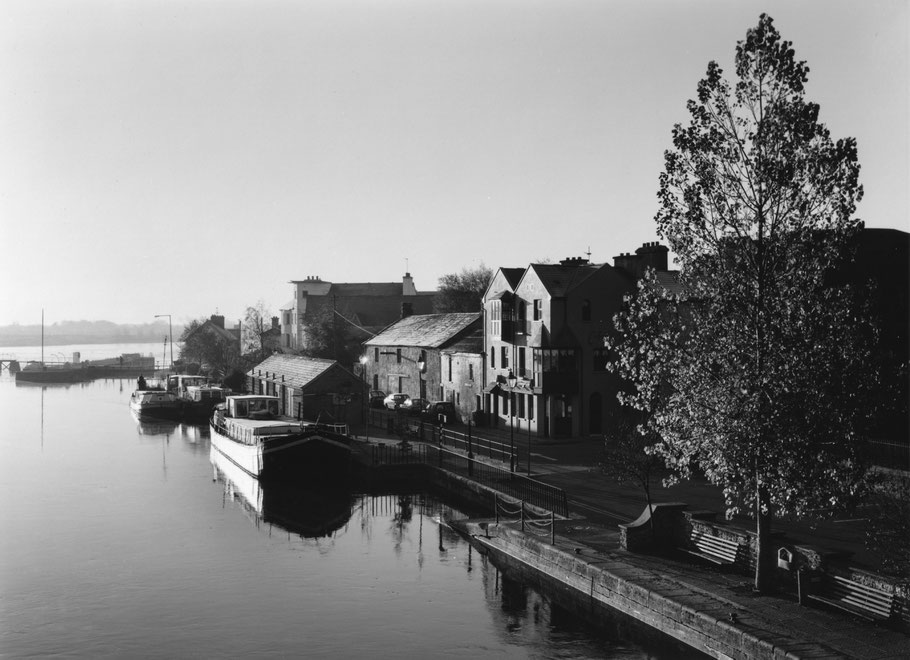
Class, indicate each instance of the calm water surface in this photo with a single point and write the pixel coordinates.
(128, 539)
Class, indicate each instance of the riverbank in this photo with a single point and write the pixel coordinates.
(709, 610)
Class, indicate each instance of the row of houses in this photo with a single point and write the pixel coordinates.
(533, 358)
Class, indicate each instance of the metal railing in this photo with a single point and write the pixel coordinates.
(893, 455)
(516, 486)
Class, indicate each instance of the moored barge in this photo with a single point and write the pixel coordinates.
(249, 431)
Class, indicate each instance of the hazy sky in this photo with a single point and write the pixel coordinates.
(182, 157)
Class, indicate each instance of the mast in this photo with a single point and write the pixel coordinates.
(42, 336)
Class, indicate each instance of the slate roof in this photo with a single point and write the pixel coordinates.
(558, 279)
(232, 335)
(669, 280)
(471, 342)
(425, 330)
(512, 275)
(298, 371)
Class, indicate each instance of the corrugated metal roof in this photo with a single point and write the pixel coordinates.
(425, 330)
(298, 371)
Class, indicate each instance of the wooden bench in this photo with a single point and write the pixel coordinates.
(853, 597)
(718, 550)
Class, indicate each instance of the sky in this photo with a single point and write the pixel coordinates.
(193, 157)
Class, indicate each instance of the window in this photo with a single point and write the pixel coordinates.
(504, 364)
(521, 405)
(470, 372)
(492, 358)
(496, 319)
(398, 357)
(450, 368)
(375, 381)
(554, 360)
(376, 354)
(538, 309)
(530, 406)
(586, 310)
(521, 361)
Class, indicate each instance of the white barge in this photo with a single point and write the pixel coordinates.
(249, 431)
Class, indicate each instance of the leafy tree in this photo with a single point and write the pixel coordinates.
(629, 457)
(330, 334)
(218, 354)
(256, 323)
(755, 371)
(462, 292)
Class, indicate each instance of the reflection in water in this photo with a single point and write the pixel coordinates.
(307, 512)
(86, 567)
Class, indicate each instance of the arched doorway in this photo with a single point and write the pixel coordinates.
(595, 414)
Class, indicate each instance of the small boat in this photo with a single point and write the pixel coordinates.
(41, 372)
(250, 432)
(155, 403)
(198, 395)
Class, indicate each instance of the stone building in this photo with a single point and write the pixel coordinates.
(408, 356)
(313, 389)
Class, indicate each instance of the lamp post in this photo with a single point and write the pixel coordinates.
(512, 381)
(170, 332)
(529, 444)
(365, 394)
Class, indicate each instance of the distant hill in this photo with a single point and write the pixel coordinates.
(85, 332)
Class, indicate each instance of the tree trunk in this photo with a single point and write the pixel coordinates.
(762, 537)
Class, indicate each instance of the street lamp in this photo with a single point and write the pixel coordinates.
(364, 394)
(170, 332)
(512, 381)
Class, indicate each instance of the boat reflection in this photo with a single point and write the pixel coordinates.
(307, 512)
(154, 425)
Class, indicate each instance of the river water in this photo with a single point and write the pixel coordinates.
(127, 539)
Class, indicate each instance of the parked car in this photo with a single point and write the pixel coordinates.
(415, 406)
(395, 401)
(441, 411)
(377, 398)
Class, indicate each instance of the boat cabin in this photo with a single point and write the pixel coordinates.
(252, 406)
(181, 382)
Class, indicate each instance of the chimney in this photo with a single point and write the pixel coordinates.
(649, 255)
(218, 320)
(653, 255)
(407, 286)
(573, 261)
(275, 325)
(407, 309)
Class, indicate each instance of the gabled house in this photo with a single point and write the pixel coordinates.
(544, 342)
(215, 326)
(313, 389)
(367, 307)
(407, 356)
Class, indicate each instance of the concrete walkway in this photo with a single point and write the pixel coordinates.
(597, 504)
